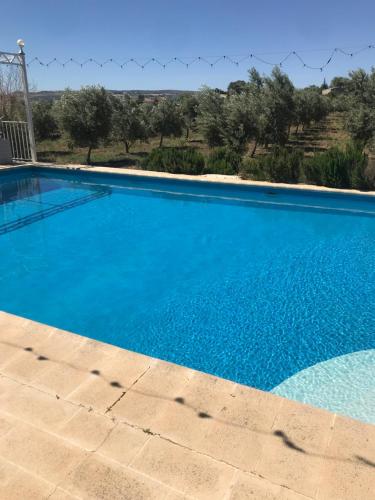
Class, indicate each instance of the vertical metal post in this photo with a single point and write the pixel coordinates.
(29, 114)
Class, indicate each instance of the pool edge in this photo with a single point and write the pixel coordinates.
(209, 178)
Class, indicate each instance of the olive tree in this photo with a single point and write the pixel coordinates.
(242, 121)
(211, 116)
(279, 107)
(261, 111)
(360, 114)
(237, 87)
(360, 123)
(128, 121)
(85, 116)
(309, 106)
(166, 120)
(189, 108)
(44, 120)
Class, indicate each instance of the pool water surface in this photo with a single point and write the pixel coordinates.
(247, 283)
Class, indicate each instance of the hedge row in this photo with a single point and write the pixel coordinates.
(333, 168)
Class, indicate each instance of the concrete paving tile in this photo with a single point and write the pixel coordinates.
(237, 446)
(249, 487)
(190, 416)
(153, 394)
(22, 332)
(97, 477)
(220, 419)
(25, 366)
(206, 393)
(59, 345)
(109, 377)
(8, 350)
(30, 326)
(40, 453)
(251, 409)
(13, 327)
(179, 423)
(6, 423)
(8, 385)
(123, 443)
(60, 378)
(91, 353)
(123, 368)
(349, 471)
(174, 495)
(37, 408)
(60, 494)
(86, 429)
(237, 430)
(183, 469)
(34, 359)
(309, 427)
(95, 393)
(293, 454)
(16, 484)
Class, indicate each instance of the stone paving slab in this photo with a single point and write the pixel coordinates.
(80, 419)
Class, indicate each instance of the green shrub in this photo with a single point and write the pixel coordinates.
(281, 165)
(252, 169)
(223, 161)
(175, 161)
(338, 168)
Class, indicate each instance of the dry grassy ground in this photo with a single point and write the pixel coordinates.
(112, 154)
(314, 139)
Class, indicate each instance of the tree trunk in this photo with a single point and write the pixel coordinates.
(254, 148)
(161, 141)
(297, 128)
(187, 133)
(126, 147)
(88, 159)
(288, 133)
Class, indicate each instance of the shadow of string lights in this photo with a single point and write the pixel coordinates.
(280, 434)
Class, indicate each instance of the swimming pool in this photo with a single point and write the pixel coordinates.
(253, 284)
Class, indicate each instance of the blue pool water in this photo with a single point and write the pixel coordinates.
(251, 284)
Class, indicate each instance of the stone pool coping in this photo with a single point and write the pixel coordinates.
(225, 179)
(84, 419)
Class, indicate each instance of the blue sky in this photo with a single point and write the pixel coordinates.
(164, 29)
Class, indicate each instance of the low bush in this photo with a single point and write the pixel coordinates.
(338, 168)
(175, 161)
(223, 161)
(282, 165)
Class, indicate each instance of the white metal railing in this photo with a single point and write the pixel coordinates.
(23, 150)
(18, 136)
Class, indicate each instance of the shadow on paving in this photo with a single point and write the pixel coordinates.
(278, 433)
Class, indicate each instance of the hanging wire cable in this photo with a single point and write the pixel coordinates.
(208, 60)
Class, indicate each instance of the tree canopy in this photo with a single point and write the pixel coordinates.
(166, 120)
(85, 116)
(129, 122)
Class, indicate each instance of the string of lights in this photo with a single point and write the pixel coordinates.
(208, 60)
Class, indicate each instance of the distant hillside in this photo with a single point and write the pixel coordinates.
(50, 95)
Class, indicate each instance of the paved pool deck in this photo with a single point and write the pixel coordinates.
(83, 419)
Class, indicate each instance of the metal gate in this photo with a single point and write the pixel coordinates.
(22, 145)
(18, 136)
